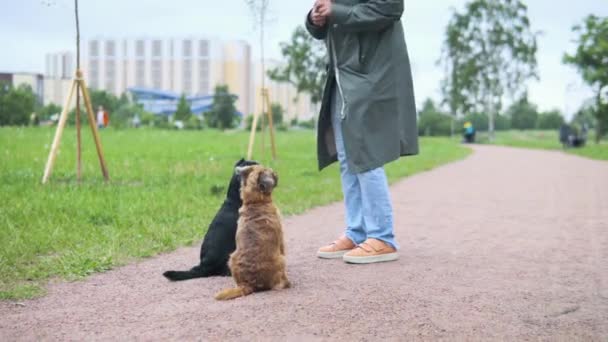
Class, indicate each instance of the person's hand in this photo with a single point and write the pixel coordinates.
(323, 8)
(316, 17)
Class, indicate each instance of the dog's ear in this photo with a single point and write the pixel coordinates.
(243, 171)
(276, 179)
(240, 162)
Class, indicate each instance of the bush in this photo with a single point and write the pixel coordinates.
(249, 123)
(45, 113)
(434, 124)
(308, 124)
(16, 104)
(194, 122)
(282, 127)
(277, 114)
(524, 115)
(502, 123)
(550, 120)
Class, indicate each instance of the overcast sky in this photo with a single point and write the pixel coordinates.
(31, 28)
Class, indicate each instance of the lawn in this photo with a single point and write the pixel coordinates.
(547, 140)
(165, 187)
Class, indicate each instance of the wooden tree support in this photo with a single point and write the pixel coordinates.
(78, 86)
(254, 124)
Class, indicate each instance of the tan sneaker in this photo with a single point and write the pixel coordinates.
(371, 251)
(336, 249)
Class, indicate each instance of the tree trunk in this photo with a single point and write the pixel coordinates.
(489, 108)
(452, 124)
(491, 124)
(599, 128)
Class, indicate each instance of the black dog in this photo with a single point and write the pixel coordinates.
(219, 242)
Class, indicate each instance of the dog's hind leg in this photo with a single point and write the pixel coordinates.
(233, 293)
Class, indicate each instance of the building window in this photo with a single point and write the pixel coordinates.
(110, 75)
(187, 48)
(187, 76)
(157, 48)
(125, 74)
(140, 74)
(203, 46)
(157, 74)
(94, 48)
(110, 48)
(203, 76)
(94, 73)
(140, 50)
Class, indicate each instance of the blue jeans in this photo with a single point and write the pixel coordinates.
(369, 213)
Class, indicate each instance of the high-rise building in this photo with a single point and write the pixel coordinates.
(60, 65)
(59, 72)
(193, 66)
(190, 66)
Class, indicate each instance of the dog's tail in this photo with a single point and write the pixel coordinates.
(194, 272)
(233, 293)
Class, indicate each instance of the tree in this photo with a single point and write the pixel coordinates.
(591, 60)
(48, 110)
(524, 114)
(585, 116)
(306, 61)
(277, 113)
(183, 112)
(550, 120)
(432, 121)
(124, 115)
(16, 104)
(489, 52)
(107, 100)
(223, 112)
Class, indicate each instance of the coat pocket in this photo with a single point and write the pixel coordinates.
(368, 44)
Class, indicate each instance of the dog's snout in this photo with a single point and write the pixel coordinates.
(266, 183)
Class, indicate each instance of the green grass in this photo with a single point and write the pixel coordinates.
(547, 140)
(160, 195)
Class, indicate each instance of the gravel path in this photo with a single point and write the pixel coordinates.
(507, 244)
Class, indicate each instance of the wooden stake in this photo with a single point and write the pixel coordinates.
(78, 139)
(263, 127)
(78, 85)
(265, 103)
(254, 126)
(57, 140)
(92, 123)
(270, 125)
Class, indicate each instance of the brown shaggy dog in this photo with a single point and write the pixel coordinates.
(258, 263)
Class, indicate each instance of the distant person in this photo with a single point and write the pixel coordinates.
(136, 121)
(34, 120)
(564, 135)
(100, 117)
(469, 132)
(106, 118)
